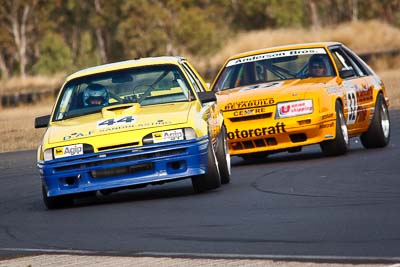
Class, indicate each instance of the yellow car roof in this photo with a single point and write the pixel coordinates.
(126, 64)
(284, 47)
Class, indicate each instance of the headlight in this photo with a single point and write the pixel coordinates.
(48, 154)
(294, 108)
(170, 135)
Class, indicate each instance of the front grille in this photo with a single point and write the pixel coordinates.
(252, 117)
(117, 146)
(106, 161)
(253, 143)
(109, 173)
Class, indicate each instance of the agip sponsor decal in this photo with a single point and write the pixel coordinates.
(167, 136)
(68, 151)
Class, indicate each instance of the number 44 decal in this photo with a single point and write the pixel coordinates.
(116, 121)
(352, 107)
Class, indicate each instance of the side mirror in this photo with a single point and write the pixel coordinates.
(346, 73)
(42, 122)
(206, 97)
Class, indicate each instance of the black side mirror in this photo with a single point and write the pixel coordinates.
(206, 97)
(346, 73)
(42, 122)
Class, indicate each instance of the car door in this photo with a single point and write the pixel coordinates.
(357, 87)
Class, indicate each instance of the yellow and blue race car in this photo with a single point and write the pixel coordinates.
(283, 98)
(130, 124)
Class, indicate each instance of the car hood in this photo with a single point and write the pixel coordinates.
(119, 119)
(265, 94)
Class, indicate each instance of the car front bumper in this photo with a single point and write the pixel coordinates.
(271, 135)
(128, 167)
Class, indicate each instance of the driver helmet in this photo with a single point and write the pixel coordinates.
(317, 66)
(95, 95)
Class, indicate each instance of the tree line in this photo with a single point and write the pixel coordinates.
(40, 37)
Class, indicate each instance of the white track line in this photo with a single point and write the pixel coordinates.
(212, 255)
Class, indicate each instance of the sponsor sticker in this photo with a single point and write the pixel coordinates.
(287, 53)
(249, 104)
(264, 131)
(295, 108)
(166, 136)
(68, 151)
(126, 120)
(247, 112)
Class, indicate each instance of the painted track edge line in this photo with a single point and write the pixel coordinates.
(317, 258)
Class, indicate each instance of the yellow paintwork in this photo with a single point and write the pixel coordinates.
(203, 118)
(239, 104)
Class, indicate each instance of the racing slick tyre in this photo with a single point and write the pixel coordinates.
(339, 145)
(211, 179)
(223, 157)
(56, 202)
(378, 134)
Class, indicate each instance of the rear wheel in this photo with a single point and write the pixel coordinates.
(378, 134)
(56, 202)
(223, 157)
(339, 145)
(212, 178)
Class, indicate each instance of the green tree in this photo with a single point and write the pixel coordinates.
(55, 55)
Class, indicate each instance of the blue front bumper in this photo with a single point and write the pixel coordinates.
(125, 167)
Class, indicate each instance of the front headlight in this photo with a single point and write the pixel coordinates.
(170, 135)
(294, 108)
(48, 154)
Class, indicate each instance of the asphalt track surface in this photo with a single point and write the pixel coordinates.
(289, 206)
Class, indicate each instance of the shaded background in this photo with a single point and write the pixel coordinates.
(40, 37)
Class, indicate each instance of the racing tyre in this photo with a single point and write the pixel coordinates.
(339, 145)
(223, 157)
(56, 202)
(378, 134)
(212, 179)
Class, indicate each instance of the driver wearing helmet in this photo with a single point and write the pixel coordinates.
(317, 66)
(95, 95)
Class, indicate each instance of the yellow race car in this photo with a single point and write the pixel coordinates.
(130, 124)
(283, 98)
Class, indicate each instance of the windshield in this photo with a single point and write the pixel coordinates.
(145, 85)
(275, 66)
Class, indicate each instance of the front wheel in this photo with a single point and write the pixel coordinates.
(339, 145)
(378, 134)
(56, 202)
(211, 179)
(223, 157)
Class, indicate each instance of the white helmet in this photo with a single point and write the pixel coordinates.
(95, 95)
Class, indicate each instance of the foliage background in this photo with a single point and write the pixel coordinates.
(39, 37)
